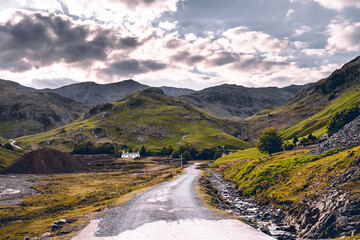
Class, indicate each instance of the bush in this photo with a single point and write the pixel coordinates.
(187, 155)
(8, 146)
(90, 148)
(175, 154)
(288, 146)
(341, 118)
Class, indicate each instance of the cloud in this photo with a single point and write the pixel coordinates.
(343, 36)
(131, 67)
(51, 83)
(243, 40)
(290, 12)
(300, 31)
(338, 4)
(42, 39)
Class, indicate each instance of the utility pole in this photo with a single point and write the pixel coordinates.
(181, 162)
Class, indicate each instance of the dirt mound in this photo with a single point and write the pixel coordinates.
(46, 161)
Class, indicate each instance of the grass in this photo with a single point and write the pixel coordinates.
(74, 196)
(288, 176)
(246, 154)
(151, 121)
(316, 123)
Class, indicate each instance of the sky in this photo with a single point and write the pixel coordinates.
(181, 43)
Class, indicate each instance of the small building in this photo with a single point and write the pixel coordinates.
(130, 155)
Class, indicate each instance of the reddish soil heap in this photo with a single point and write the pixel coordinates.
(46, 161)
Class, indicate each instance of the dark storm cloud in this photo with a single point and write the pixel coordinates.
(224, 58)
(129, 42)
(132, 66)
(46, 39)
(257, 64)
(187, 58)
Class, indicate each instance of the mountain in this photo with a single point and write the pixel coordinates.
(147, 118)
(93, 93)
(24, 112)
(310, 109)
(176, 92)
(238, 101)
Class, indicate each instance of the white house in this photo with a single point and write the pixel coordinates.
(130, 155)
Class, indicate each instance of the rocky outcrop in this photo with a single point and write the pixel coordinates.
(333, 213)
(26, 112)
(348, 135)
(232, 100)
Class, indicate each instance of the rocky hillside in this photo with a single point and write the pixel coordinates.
(348, 135)
(24, 112)
(318, 193)
(93, 93)
(147, 118)
(333, 212)
(238, 101)
(310, 109)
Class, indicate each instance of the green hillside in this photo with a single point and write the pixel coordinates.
(310, 110)
(146, 118)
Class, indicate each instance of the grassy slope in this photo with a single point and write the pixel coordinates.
(74, 195)
(288, 176)
(7, 156)
(162, 122)
(246, 154)
(317, 123)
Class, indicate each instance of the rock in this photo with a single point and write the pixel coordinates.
(265, 230)
(61, 221)
(348, 135)
(330, 214)
(55, 227)
(27, 238)
(45, 236)
(60, 132)
(47, 142)
(289, 228)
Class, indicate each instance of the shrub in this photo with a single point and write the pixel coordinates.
(8, 146)
(289, 146)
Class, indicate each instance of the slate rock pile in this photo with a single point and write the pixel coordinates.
(348, 135)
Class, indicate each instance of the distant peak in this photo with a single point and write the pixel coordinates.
(153, 90)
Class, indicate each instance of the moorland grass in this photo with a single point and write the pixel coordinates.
(74, 196)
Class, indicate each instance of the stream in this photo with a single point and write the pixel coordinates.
(266, 218)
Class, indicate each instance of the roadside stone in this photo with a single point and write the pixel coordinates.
(265, 230)
(45, 236)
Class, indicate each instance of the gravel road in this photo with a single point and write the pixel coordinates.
(170, 210)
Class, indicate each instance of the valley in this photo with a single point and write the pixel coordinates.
(71, 143)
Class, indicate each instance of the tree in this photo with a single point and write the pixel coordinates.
(143, 151)
(270, 142)
(295, 140)
(175, 154)
(187, 155)
(217, 155)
